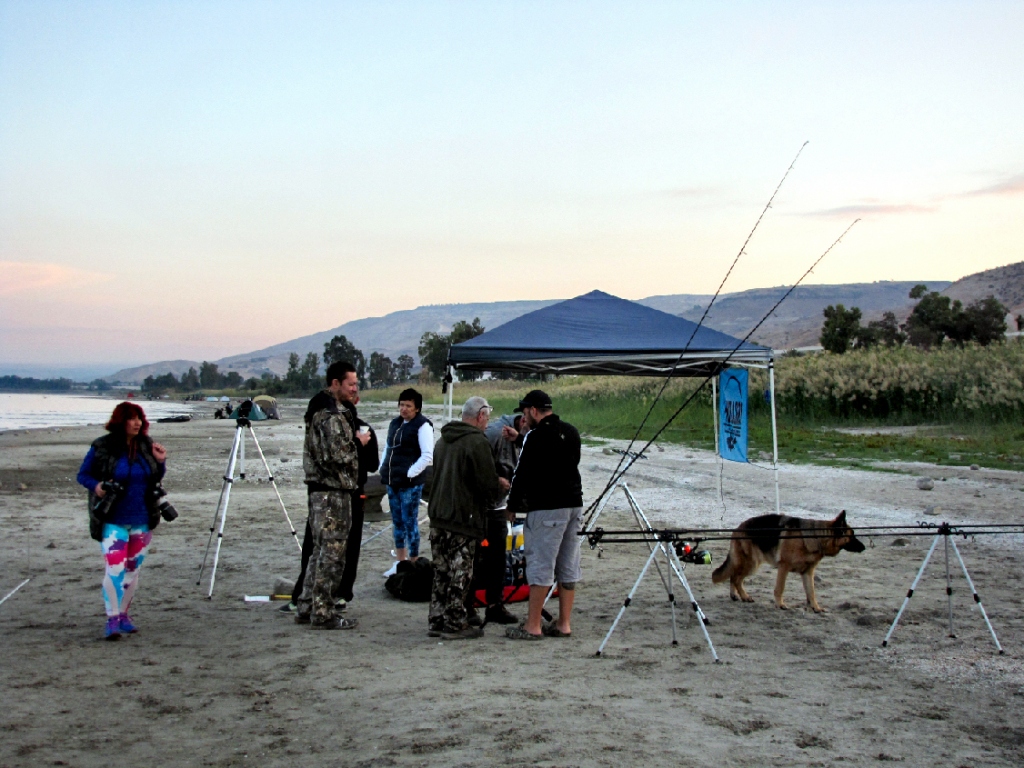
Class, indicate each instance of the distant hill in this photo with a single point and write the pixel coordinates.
(1005, 283)
(138, 373)
(797, 323)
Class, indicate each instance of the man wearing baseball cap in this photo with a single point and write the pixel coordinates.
(547, 487)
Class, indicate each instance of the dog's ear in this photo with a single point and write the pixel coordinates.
(840, 522)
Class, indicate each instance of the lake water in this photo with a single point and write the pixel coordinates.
(20, 410)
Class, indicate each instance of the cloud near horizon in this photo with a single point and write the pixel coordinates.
(1014, 185)
(1009, 186)
(872, 209)
(23, 276)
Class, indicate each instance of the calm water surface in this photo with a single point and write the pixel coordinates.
(31, 411)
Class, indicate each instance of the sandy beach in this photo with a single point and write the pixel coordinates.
(223, 682)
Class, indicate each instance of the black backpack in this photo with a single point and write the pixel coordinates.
(412, 581)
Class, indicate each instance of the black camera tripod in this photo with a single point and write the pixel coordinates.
(944, 531)
(237, 450)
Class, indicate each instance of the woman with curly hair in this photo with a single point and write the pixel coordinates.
(128, 457)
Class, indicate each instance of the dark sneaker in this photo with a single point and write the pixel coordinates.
(341, 605)
(336, 623)
(113, 630)
(126, 624)
(288, 608)
(498, 614)
(469, 633)
(473, 619)
(302, 618)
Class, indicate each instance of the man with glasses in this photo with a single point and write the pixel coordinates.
(465, 487)
(547, 487)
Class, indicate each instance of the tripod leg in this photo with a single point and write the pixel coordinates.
(378, 533)
(701, 618)
(588, 525)
(241, 470)
(223, 519)
(977, 599)
(270, 475)
(949, 587)
(910, 592)
(224, 490)
(645, 524)
(671, 596)
(627, 601)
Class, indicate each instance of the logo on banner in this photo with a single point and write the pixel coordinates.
(733, 415)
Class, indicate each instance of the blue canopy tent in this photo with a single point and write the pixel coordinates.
(601, 334)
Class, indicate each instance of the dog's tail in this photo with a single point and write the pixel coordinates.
(722, 572)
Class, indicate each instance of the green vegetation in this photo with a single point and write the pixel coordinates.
(934, 319)
(959, 405)
(29, 384)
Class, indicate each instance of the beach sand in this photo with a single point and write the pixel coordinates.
(221, 682)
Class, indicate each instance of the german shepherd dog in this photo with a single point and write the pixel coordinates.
(790, 544)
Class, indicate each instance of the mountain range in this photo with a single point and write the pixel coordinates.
(796, 323)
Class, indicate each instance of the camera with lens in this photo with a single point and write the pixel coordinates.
(111, 490)
(164, 507)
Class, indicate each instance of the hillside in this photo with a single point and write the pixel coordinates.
(1005, 283)
(393, 334)
(797, 322)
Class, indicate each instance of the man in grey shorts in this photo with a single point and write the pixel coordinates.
(547, 486)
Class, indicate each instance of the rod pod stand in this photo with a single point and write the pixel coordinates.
(945, 532)
(658, 545)
(221, 512)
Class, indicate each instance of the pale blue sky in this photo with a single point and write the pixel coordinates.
(358, 158)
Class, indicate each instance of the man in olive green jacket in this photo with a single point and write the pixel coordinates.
(465, 486)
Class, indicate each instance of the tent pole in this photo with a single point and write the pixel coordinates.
(775, 435)
(451, 394)
(714, 409)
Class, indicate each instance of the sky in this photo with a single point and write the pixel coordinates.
(198, 179)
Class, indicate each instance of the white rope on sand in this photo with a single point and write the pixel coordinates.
(26, 581)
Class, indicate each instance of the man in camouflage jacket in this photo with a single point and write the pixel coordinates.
(331, 464)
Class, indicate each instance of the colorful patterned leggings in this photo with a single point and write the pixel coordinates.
(405, 513)
(124, 549)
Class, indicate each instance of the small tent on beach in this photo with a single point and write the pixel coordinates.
(268, 405)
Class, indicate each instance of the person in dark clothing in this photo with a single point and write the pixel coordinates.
(547, 487)
(465, 487)
(128, 457)
(369, 461)
(506, 439)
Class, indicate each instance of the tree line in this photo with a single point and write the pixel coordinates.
(934, 320)
(30, 384)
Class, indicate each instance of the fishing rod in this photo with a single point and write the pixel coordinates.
(707, 309)
(620, 470)
(696, 536)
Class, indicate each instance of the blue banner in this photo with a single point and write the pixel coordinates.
(732, 414)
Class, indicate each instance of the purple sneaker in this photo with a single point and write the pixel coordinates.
(113, 631)
(126, 624)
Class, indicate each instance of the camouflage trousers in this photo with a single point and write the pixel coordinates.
(330, 519)
(452, 556)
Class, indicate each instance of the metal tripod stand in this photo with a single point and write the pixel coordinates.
(659, 546)
(237, 450)
(945, 532)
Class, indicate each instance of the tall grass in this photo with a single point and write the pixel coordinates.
(973, 398)
(907, 384)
